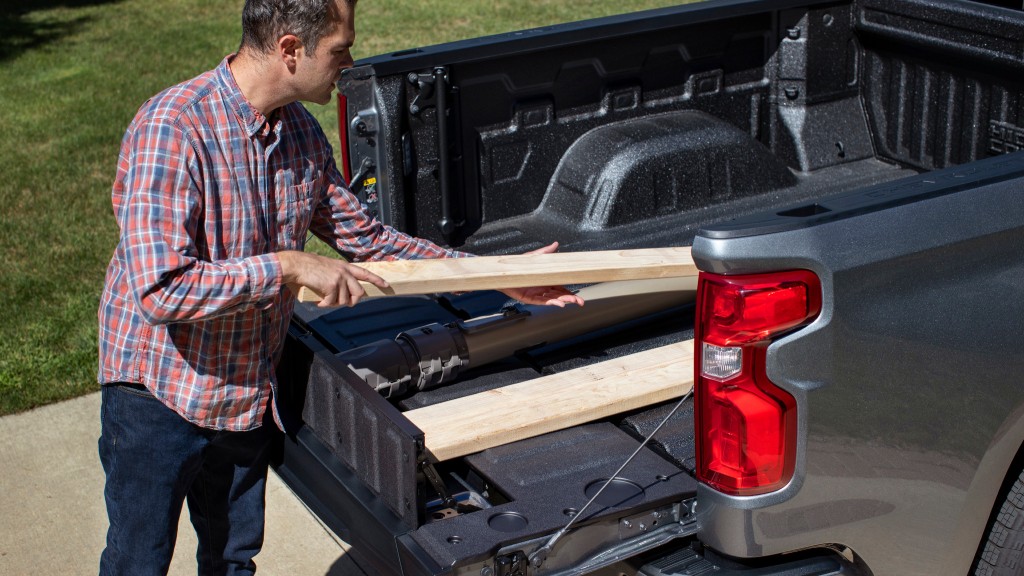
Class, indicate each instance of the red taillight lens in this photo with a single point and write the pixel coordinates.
(346, 165)
(746, 425)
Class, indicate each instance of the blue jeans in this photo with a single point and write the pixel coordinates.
(154, 461)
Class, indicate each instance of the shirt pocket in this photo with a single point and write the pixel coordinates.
(295, 214)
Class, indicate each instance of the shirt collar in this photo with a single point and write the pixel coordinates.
(255, 122)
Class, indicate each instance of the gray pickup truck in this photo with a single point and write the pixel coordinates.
(848, 178)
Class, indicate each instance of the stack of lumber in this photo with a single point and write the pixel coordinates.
(546, 404)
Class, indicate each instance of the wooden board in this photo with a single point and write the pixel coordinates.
(474, 423)
(523, 270)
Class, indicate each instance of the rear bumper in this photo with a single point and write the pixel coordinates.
(694, 560)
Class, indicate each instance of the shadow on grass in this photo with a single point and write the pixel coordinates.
(19, 34)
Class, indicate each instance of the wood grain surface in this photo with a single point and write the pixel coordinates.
(480, 421)
(522, 270)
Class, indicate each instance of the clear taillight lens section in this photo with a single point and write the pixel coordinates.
(746, 425)
(720, 362)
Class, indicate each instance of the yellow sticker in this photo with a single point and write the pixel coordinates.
(369, 182)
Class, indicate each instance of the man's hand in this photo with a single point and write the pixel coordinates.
(336, 280)
(548, 295)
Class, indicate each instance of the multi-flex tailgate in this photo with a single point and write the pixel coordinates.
(364, 462)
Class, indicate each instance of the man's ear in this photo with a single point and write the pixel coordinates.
(288, 48)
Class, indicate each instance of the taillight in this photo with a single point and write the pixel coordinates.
(346, 165)
(746, 425)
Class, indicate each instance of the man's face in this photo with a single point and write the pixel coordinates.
(319, 71)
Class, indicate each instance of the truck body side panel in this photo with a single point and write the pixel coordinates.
(907, 385)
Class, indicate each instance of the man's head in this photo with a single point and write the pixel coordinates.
(308, 41)
(265, 21)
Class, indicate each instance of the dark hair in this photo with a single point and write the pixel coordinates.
(264, 21)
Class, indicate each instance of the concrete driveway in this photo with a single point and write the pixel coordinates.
(53, 520)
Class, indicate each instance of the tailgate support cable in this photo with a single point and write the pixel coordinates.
(538, 556)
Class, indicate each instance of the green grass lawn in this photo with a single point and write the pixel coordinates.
(72, 74)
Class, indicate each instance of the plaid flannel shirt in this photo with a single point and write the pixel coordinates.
(207, 191)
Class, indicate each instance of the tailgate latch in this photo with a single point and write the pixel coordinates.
(514, 564)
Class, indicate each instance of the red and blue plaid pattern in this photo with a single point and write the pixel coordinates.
(207, 190)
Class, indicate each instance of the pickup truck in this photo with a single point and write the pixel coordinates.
(847, 174)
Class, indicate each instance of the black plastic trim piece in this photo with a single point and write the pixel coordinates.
(365, 432)
(693, 560)
(415, 561)
(332, 492)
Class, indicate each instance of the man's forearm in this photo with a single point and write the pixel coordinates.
(336, 280)
(191, 290)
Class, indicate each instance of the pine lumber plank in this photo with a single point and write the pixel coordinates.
(549, 403)
(522, 270)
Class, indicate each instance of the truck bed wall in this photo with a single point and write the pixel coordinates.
(539, 106)
(918, 85)
(941, 82)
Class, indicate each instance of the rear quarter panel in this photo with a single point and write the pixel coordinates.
(907, 385)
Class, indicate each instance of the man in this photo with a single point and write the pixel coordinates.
(218, 181)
